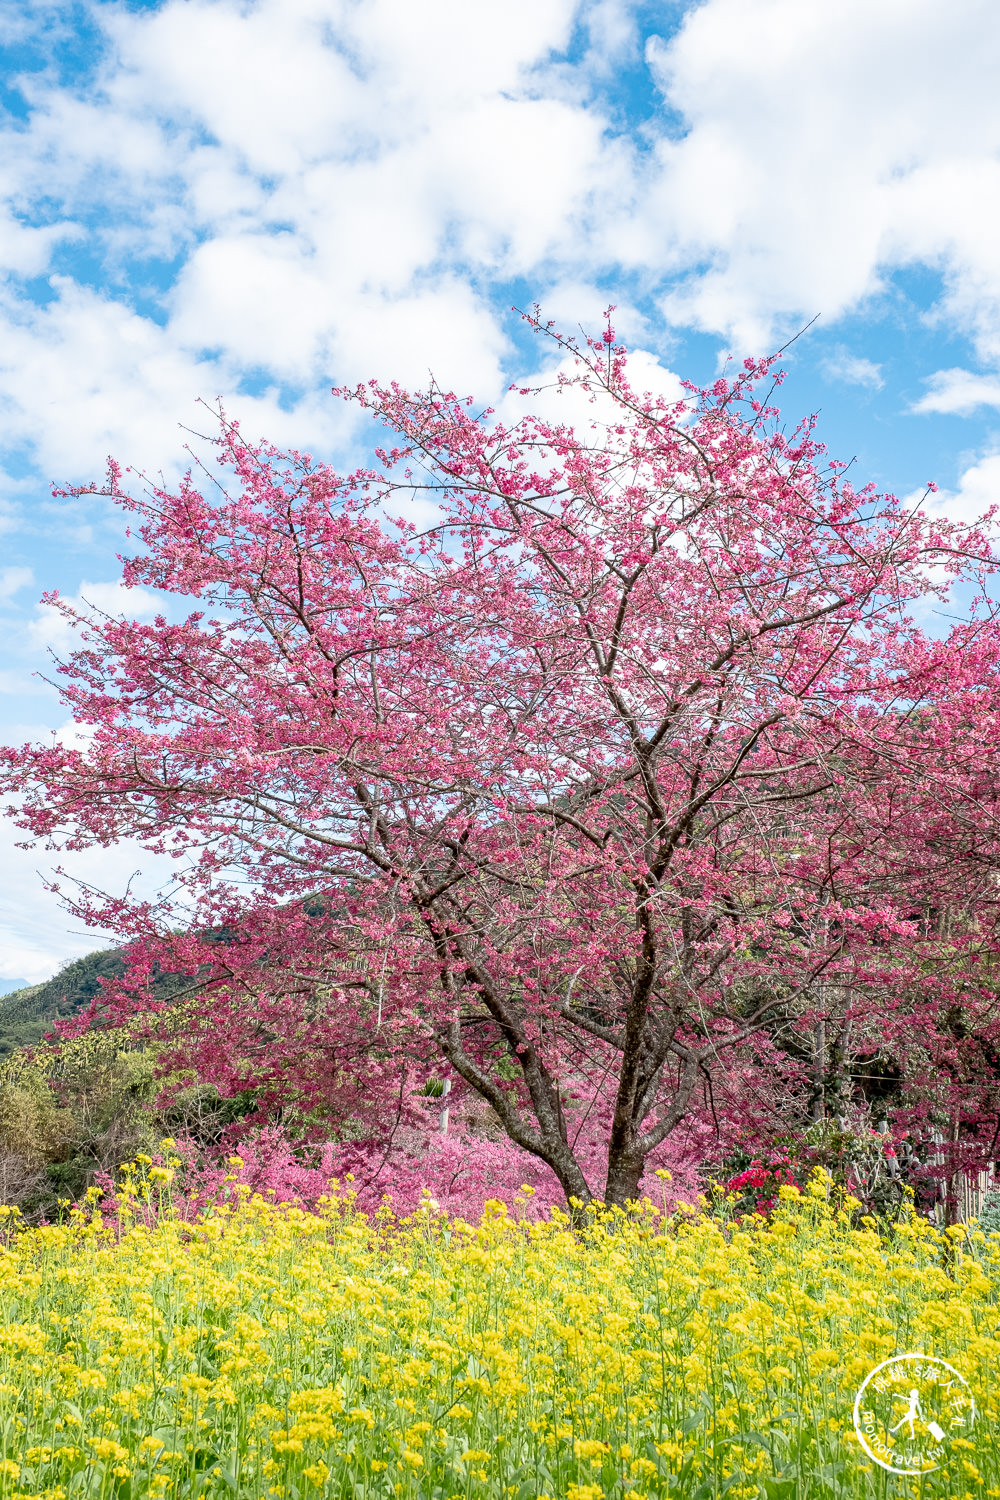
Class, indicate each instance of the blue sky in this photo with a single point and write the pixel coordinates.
(259, 199)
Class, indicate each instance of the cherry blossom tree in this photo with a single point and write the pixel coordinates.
(627, 763)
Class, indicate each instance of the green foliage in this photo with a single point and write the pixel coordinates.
(989, 1219)
(857, 1158)
(432, 1089)
(68, 1113)
(73, 1109)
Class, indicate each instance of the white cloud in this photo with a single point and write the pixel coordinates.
(86, 377)
(12, 580)
(613, 33)
(823, 146)
(73, 736)
(20, 685)
(978, 489)
(36, 933)
(570, 406)
(331, 178)
(959, 392)
(26, 249)
(842, 365)
(341, 184)
(577, 307)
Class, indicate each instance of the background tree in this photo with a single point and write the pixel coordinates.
(629, 757)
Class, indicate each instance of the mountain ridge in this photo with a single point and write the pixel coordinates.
(29, 1013)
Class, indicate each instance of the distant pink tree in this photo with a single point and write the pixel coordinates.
(626, 765)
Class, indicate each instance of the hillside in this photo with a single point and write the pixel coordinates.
(27, 1014)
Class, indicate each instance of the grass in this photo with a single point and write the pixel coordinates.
(262, 1351)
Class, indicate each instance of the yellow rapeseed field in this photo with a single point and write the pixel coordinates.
(266, 1351)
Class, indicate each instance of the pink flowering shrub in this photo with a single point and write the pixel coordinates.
(462, 1171)
(459, 1172)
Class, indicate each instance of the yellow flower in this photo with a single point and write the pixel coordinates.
(558, 1340)
(590, 1448)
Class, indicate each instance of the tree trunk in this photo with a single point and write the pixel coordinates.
(952, 1211)
(817, 1105)
(624, 1173)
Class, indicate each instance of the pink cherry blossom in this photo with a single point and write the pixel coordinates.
(621, 793)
